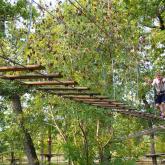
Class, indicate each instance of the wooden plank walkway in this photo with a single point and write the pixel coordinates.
(68, 90)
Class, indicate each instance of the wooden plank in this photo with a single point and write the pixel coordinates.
(119, 109)
(21, 68)
(106, 103)
(32, 76)
(54, 82)
(100, 100)
(144, 115)
(109, 105)
(155, 155)
(75, 93)
(92, 102)
(85, 97)
(64, 88)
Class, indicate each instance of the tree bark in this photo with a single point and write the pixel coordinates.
(162, 26)
(2, 27)
(27, 140)
(104, 155)
(86, 145)
(13, 160)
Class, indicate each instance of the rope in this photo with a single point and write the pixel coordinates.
(137, 76)
(113, 80)
(58, 19)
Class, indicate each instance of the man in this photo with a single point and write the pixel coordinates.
(159, 85)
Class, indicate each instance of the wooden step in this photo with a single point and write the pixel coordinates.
(21, 68)
(64, 88)
(54, 82)
(76, 93)
(85, 97)
(32, 76)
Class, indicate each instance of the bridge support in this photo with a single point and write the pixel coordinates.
(152, 139)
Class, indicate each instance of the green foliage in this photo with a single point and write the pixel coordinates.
(11, 88)
(10, 12)
(119, 161)
(77, 47)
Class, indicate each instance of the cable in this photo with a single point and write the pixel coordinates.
(91, 19)
(59, 20)
(41, 7)
(138, 72)
(16, 63)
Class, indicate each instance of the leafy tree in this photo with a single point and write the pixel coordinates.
(108, 47)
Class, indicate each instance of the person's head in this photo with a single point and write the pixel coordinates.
(158, 75)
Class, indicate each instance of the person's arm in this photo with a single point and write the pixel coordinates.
(153, 82)
(149, 82)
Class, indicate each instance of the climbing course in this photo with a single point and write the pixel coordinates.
(94, 46)
(68, 89)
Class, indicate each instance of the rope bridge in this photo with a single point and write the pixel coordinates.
(68, 89)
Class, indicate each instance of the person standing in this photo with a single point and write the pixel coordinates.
(159, 84)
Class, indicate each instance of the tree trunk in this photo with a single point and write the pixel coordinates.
(27, 140)
(86, 145)
(42, 150)
(13, 160)
(105, 156)
(2, 28)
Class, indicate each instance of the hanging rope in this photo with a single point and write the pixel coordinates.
(113, 80)
(137, 77)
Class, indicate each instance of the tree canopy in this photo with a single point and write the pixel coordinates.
(109, 46)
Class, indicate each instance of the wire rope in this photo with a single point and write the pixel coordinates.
(113, 80)
(93, 19)
(17, 63)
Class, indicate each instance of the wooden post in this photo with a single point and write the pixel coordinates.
(49, 146)
(152, 139)
(42, 150)
(27, 140)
